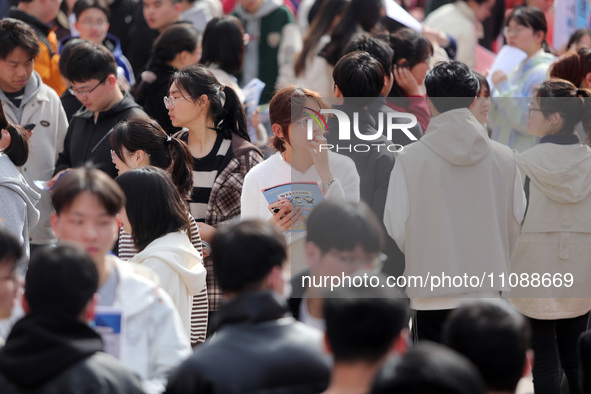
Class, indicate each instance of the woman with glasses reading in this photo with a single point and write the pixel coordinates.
(219, 143)
(551, 256)
(525, 29)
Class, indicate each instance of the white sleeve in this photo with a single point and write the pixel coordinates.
(250, 198)
(289, 47)
(519, 200)
(396, 211)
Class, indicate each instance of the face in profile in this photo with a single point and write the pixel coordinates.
(481, 106)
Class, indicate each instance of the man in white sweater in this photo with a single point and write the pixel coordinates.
(454, 203)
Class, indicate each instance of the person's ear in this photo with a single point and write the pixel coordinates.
(177, 7)
(274, 280)
(77, 25)
(473, 102)
(529, 362)
(586, 83)
(278, 130)
(25, 304)
(400, 344)
(336, 92)
(402, 62)
(111, 81)
(539, 36)
(326, 341)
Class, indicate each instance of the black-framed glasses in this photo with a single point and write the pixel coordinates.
(530, 107)
(83, 93)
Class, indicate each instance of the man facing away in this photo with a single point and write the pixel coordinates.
(52, 349)
(86, 202)
(454, 203)
(258, 346)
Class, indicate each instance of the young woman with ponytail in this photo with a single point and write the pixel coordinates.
(555, 236)
(525, 29)
(178, 46)
(140, 142)
(222, 153)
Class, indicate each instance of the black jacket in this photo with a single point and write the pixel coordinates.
(87, 141)
(374, 168)
(47, 354)
(257, 348)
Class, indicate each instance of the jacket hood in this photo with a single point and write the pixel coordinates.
(41, 346)
(457, 137)
(138, 286)
(175, 250)
(562, 172)
(266, 8)
(32, 87)
(14, 181)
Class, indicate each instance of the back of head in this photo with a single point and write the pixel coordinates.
(429, 369)
(66, 50)
(175, 39)
(18, 150)
(359, 77)
(90, 61)
(451, 85)
(495, 337)
(90, 180)
(245, 253)
(585, 362)
(60, 280)
(10, 249)
(344, 225)
(572, 66)
(17, 34)
(162, 213)
(376, 47)
(223, 44)
(362, 325)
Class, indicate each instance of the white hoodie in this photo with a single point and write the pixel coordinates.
(180, 268)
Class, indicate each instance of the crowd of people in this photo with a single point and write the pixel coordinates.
(191, 191)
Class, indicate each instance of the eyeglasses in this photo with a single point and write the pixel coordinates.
(84, 93)
(101, 24)
(530, 107)
(170, 102)
(114, 154)
(316, 128)
(373, 263)
(513, 31)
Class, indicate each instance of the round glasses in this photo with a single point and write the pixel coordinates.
(170, 102)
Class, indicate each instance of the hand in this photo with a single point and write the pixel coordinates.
(51, 183)
(436, 36)
(256, 118)
(286, 216)
(498, 77)
(319, 152)
(5, 139)
(406, 81)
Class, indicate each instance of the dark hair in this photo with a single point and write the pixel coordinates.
(411, 46)
(82, 5)
(18, 150)
(60, 280)
(359, 77)
(577, 35)
(483, 83)
(223, 44)
(17, 34)
(429, 369)
(228, 117)
(343, 226)
(175, 39)
(572, 66)
(494, 336)
(87, 180)
(65, 52)
(162, 213)
(573, 104)
(164, 152)
(377, 47)
(364, 14)
(531, 17)
(90, 61)
(328, 11)
(584, 352)
(361, 327)
(244, 253)
(286, 107)
(10, 249)
(451, 85)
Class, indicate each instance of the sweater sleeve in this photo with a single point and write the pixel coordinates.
(396, 210)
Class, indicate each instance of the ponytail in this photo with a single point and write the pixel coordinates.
(182, 167)
(232, 116)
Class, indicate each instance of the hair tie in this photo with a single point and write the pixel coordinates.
(221, 95)
(168, 139)
(580, 92)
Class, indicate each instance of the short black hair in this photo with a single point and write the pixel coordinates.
(451, 85)
(91, 180)
(223, 44)
(17, 34)
(245, 253)
(10, 249)
(82, 5)
(344, 225)
(360, 327)
(163, 212)
(429, 368)
(376, 47)
(65, 52)
(90, 61)
(359, 77)
(60, 280)
(494, 336)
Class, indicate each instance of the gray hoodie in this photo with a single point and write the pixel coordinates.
(17, 202)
